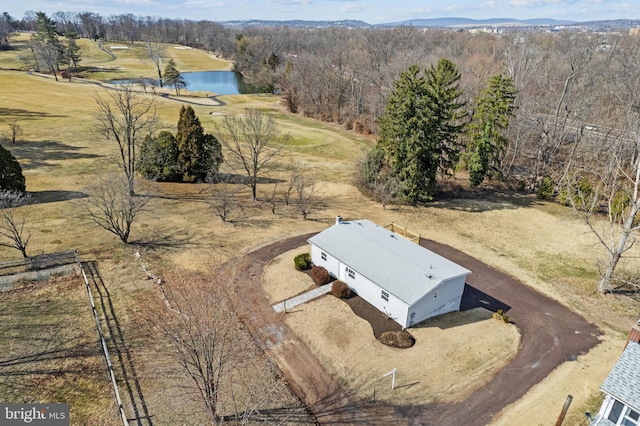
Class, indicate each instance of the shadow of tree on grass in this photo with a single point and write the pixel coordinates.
(36, 154)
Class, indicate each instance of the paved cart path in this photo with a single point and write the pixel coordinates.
(550, 334)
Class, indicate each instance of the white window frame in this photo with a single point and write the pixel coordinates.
(624, 414)
(323, 255)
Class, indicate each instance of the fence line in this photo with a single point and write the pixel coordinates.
(103, 343)
(41, 261)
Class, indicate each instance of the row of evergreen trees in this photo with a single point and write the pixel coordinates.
(426, 130)
(189, 156)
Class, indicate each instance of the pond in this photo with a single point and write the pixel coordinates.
(217, 82)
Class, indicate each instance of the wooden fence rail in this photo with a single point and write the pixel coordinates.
(400, 230)
(103, 343)
(39, 262)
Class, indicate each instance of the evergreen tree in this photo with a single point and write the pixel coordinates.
(446, 112)
(45, 45)
(420, 127)
(172, 77)
(158, 158)
(11, 177)
(487, 143)
(198, 153)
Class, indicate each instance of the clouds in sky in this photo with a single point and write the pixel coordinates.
(371, 11)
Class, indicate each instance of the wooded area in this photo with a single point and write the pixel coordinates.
(540, 111)
(575, 91)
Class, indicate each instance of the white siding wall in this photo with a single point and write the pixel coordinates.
(331, 264)
(372, 293)
(444, 298)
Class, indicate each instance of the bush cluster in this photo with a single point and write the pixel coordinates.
(320, 275)
(340, 289)
(398, 339)
(502, 316)
(302, 261)
(546, 189)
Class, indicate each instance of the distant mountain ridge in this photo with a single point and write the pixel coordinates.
(461, 22)
(297, 23)
(452, 22)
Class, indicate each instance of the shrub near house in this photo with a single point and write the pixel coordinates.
(320, 275)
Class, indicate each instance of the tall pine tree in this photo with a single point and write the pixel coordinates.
(420, 127)
(487, 143)
(172, 77)
(198, 153)
(45, 45)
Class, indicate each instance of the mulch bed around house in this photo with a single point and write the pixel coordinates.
(365, 310)
(378, 320)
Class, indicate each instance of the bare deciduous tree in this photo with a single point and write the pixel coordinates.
(272, 198)
(126, 116)
(201, 327)
(308, 195)
(252, 141)
(616, 190)
(198, 326)
(385, 190)
(156, 50)
(15, 130)
(13, 220)
(295, 174)
(111, 206)
(224, 199)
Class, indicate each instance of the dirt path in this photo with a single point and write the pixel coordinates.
(550, 334)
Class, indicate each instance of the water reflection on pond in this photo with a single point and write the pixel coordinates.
(217, 82)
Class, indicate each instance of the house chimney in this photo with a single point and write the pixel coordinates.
(338, 220)
(634, 335)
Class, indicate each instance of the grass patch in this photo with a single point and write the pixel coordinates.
(50, 352)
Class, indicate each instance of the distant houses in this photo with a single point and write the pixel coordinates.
(402, 279)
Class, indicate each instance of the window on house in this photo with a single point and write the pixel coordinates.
(323, 255)
(615, 412)
(351, 273)
(622, 415)
(384, 295)
(630, 418)
(435, 294)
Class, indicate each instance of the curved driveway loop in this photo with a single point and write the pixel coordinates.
(550, 333)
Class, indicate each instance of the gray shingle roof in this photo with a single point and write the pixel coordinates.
(623, 382)
(405, 269)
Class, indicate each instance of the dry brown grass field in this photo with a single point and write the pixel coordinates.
(543, 244)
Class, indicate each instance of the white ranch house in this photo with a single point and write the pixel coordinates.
(400, 278)
(621, 388)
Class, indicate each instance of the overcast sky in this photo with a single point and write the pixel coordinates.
(371, 11)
